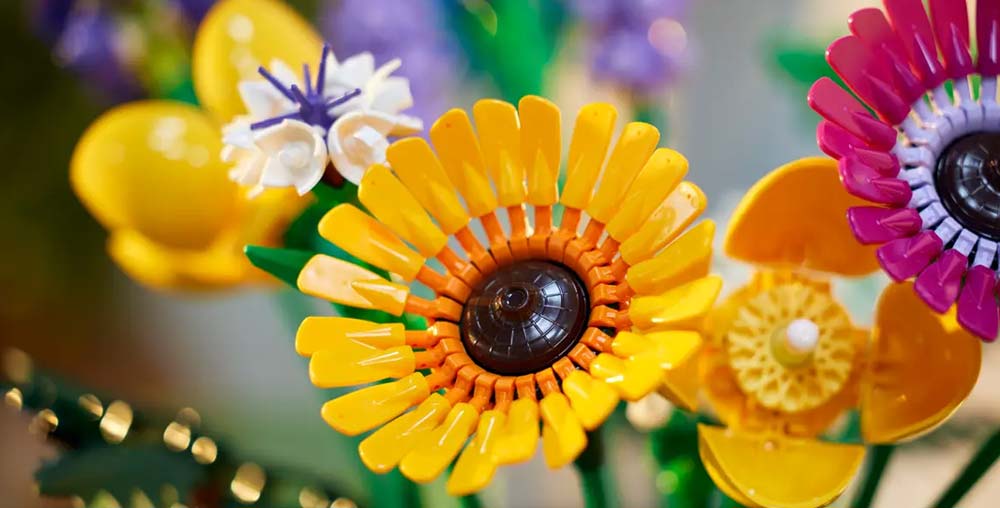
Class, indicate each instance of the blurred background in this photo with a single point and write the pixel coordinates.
(725, 80)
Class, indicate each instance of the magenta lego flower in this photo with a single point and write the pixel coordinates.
(930, 161)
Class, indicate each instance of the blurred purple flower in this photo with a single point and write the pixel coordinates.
(414, 31)
(194, 10)
(87, 46)
(638, 44)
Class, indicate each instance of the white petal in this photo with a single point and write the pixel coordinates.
(350, 74)
(290, 154)
(284, 73)
(391, 95)
(263, 100)
(357, 140)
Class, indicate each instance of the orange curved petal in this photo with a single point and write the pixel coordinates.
(795, 217)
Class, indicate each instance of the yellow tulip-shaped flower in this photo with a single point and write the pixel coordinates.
(150, 172)
(539, 332)
(784, 359)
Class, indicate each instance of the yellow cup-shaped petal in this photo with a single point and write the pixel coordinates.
(795, 216)
(369, 240)
(420, 170)
(592, 399)
(684, 260)
(394, 205)
(476, 466)
(438, 448)
(161, 267)
(235, 38)
(383, 450)
(680, 209)
(350, 363)
(519, 438)
(634, 378)
(541, 148)
(776, 471)
(682, 307)
(655, 181)
(324, 332)
(563, 438)
(634, 147)
(591, 136)
(346, 283)
(458, 148)
(367, 408)
(500, 139)
(923, 366)
(153, 167)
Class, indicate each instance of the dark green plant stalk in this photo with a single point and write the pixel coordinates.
(596, 478)
(981, 462)
(878, 459)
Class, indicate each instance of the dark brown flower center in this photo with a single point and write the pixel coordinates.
(967, 180)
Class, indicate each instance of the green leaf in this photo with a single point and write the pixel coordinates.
(120, 471)
(285, 264)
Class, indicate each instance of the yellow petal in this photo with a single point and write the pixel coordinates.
(684, 260)
(438, 448)
(591, 136)
(349, 363)
(541, 148)
(680, 209)
(367, 408)
(668, 349)
(322, 332)
(778, 472)
(682, 307)
(592, 399)
(476, 466)
(154, 167)
(500, 139)
(923, 366)
(563, 438)
(420, 170)
(680, 384)
(519, 439)
(161, 267)
(458, 148)
(369, 240)
(383, 450)
(796, 216)
(393, 205)
(238, 36)
(634, 147)
(633, 378)
(338, 281)
(657, 178)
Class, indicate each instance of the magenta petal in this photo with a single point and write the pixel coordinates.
(838, 106)
(977, 307)
(909, 20)
(835, 141)
(885, 163)
(871, 27)
(873, 225)
(951, 29)
(867, 183)
(939, 284)
(988, 37)
(867, 77)
(906, 257)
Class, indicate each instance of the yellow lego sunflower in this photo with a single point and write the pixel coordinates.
(535, 322)
(784, 361)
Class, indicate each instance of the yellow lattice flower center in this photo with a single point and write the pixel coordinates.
(791, 347)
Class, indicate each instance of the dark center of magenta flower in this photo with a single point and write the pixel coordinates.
(524, 316)
(967, 180)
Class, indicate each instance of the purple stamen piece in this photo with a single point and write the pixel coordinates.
(275, 83)
(336, 101)
(303, 101)
(307, 79)
(263, 124)
(321, 76)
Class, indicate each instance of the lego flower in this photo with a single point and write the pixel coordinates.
(539, 325)
(151, 173)
(349, 111)
(784, 361)
(928, 162)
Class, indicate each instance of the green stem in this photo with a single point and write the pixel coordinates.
(877, 461)
(974, 470)
(596, 479)
(470, 501)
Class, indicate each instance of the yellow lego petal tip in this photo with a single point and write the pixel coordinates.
(383, 450)
(346, 283)
(322, 332)
(682, 307)
(563, 438)
(778, 472)
(476, 466)
(367, 408)
(349, 363)
(796, 216)
(923, 367)
(519, 438)
(591, 399)
(369, 240)
(438, 448)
